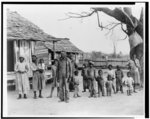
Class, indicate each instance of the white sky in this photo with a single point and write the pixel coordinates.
(84, 33)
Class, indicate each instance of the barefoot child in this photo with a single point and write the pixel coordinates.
(109, 85)
(129, 83)
(100, 82)
(91, 74)
(119, 76)
(76, 84)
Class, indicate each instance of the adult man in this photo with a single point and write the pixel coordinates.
(91, 74)
(64, 74)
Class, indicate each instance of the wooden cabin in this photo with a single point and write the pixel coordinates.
(51, 50)
(22, 36)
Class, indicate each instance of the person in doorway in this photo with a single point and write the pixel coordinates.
(36, 79)
(21, 69)
(111, 72)
(54, 77)
(119, 76)
(100, 82)
(64, 76)
(91, 74)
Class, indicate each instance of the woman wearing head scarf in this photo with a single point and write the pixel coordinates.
(21, 69)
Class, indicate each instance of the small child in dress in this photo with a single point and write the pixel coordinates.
(76, 84)
(129, 83)
(100, 82)
(109, 85)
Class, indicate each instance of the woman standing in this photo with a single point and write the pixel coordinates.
(37, 79)
(21, 69)
(137, 70)
(41, 67)
(134, 73)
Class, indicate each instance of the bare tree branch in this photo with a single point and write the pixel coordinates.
(117, 13)
(123, 38)
(100, 24)
(77, 15)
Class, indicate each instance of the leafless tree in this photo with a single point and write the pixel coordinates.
(130, 25)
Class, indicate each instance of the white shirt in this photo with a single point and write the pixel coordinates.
(112, 73)
(41, 66)
(21, 66)
(128, 81)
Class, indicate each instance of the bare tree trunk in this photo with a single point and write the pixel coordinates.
(133, 25)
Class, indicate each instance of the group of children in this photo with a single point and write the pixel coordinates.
(115, 80)
(114, 84)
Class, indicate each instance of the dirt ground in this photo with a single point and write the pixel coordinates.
(118, 104)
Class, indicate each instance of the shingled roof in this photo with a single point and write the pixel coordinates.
(63, 45)
(19, 28)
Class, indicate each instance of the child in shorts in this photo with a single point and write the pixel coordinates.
(100, 82)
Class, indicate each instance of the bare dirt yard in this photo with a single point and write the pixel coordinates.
(118, 104)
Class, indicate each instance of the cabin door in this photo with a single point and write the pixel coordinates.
(10, 55)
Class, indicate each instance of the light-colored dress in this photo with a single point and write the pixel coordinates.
(22, 80)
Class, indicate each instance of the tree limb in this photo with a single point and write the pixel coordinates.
(123, 29)
(117, 13)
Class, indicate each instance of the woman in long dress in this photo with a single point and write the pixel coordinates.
(37, 80)
(21, 69)
(41, 67)
(134, 74)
